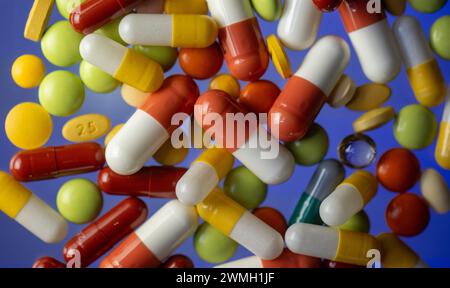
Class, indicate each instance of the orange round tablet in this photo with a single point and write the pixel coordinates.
(259, 96)
(201, 63)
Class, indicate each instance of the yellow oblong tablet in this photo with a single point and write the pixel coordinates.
(28, 125)
(369, 96)
(279, 56)
(38, 19)
(86, 127)
(373, 119)
(112, 133)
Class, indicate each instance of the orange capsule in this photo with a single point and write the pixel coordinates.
(201, 63)
(259, 96)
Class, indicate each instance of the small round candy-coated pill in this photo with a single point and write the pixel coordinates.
(279, 57)
(357, 151)
(164, 56)
(201, 63)
(407, 215)
(269, 10)
(373, 119)
(435, 190)
(28, 126)
(178, 261)
(65, 7)
(212, 245)
(79, 201)
(398, 170)
(61, 93)
(96, 79)
(415, 127)
(112, 133)
(245, 188)
(312, 148)
(28, 71)
(427, 6)
(88, 127)
(327, 5)
(369, 96)
(226, 83)
(259, 96)
(359, 222)
(48, 263)
(342, 93)
(167, 155)
(60, 44)
(440, 37)
(272, 217)
(132, 96)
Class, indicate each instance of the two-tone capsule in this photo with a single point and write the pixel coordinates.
(31, 212)
(348, 198)
(100, 236)
(330, 243)
(156, 239)
(204, 175)
(372, 40)
(328, 175)
(124, 64)
(423, 70)
(442, 152)
(242, 226)
(305, 93)
(184, 31)
(151, 125)
(153, 181)
(53, 162)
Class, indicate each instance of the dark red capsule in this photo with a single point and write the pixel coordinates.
(48, 262)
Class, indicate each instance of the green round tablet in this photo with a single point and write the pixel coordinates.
(96, 79)
(61, 93)
(269, 10)
(440, 37)
(65, 7)
(165, 56)
(212, 245)
(60, 44)
(79, 201)
(245, 188)
(111, 30)
(415, 127)
(359, 222)
(427, 6)
(312, 148)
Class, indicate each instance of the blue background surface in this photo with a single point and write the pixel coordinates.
(19, 248)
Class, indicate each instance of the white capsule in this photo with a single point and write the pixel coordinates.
(341, 205)
(247, 262)
(196, 183)
(299, 24)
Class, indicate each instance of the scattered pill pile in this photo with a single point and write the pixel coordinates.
(132, 46)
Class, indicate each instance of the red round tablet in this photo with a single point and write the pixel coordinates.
(178, 261)
(398, 170)
(201, 63)
(327, 5)
(272, 217)
(407, 215)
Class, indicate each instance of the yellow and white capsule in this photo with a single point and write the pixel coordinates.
(28, 210)
(396, 254)
(330, 243)
(124, 64)
(348, 198)
(423, 70)
(184, 31)
(235, 221)
(204, 175)
(442, 152)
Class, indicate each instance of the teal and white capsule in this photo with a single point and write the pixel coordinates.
(328, 175)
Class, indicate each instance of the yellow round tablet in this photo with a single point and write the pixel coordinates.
(28, 71)
(226, 83)
(373, 119)
(342, 93)
(86, 127)
(112, 133)
(28, 125)
(279, 56)
(167, 155)
(133, 96)
(369, 96)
